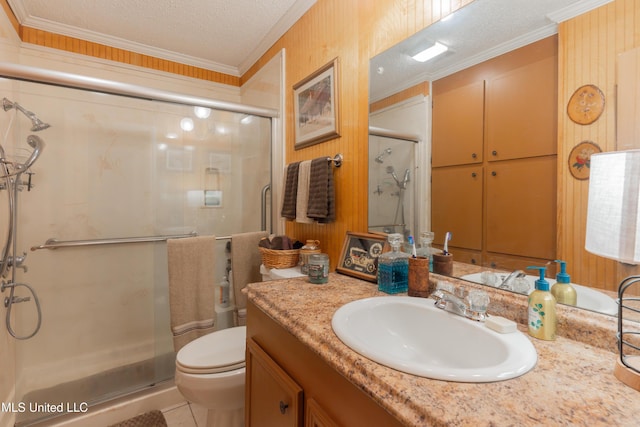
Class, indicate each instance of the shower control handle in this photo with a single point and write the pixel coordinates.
(18, 261)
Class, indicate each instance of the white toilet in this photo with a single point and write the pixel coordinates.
(210, 372)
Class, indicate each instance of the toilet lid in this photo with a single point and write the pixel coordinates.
(219, 351)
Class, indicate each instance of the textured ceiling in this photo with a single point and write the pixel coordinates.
(220, 35)
(477, 32)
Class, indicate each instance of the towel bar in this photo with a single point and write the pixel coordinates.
(337, 160)
(55, 243)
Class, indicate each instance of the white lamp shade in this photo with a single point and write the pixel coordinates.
(613, 213)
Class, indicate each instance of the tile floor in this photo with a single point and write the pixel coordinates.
(185, 415)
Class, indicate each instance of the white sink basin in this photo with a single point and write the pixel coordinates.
(413, 336)
(588, 298)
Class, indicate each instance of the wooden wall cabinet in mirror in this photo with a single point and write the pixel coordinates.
(506, 213)
(520, 111)
(457, 194)
(521, 207)
(454, 144)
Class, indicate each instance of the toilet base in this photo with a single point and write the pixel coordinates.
(230, 418)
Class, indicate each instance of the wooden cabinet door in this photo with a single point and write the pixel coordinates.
(458, 126)
(316, 416)
(456, 205)
(272, 397)
(521, 112)
(521, 207)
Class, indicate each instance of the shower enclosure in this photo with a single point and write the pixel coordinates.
(118, 176)
(400, 168)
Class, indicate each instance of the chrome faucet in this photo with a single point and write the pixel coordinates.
(507, 282)
(474, 308)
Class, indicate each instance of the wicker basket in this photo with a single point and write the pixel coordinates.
(272, 258)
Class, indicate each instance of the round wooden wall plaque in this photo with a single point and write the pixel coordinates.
(586, 105)
(580, 159)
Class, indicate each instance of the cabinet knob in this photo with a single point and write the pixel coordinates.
(493, 265)
(283, 407)
(474, 156)
(494, 152)
(494, 173)
(473, 174)
(473, 261)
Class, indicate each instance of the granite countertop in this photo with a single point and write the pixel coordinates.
(572, 383)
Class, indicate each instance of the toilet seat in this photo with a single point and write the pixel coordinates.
(220, 351)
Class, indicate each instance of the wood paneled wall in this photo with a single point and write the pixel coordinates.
(354, 31)
(588, 48)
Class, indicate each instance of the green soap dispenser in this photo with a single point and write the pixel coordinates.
(562, 289)
(542, 309)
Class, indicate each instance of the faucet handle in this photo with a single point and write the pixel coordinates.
(478, 303)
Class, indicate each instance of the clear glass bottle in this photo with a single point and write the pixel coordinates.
(425, 250)
(311, 247)
(318, 268)
(393, 267)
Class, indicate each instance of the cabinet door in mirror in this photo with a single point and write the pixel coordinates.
(521, 207)
(457, 205)
(458, 123)
(521, 110)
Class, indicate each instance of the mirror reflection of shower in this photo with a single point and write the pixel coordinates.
(391, 200)
(12, 169)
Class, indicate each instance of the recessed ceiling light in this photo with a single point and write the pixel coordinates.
(202, 112)
(430, 53)
(186, 124)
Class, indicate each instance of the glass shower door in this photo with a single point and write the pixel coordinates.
(120, 167)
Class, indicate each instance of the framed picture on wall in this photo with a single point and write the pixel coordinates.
(315, 106)
(359, 255)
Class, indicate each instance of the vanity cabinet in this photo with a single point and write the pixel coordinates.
(274, 398)
(282, 372)
(501, 207)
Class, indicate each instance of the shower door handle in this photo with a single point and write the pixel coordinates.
(263, 207)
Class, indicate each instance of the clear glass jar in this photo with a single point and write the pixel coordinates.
(318, 268)
(425, 249)
(311, 247)
(393, 267)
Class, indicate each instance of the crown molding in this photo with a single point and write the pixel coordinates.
(95, 37)
(576, 9)
(299, 8)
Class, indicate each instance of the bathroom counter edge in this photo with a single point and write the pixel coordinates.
(572, 383)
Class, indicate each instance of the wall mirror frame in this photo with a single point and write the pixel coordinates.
(478, 32)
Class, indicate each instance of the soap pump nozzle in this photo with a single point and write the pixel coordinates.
(541, 283)
(562, 290)
(562, 276)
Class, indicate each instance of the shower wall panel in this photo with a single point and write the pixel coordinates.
(120, 167)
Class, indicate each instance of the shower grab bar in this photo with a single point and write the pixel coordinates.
(263, 207)
(54, 243)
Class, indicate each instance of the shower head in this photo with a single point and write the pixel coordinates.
(36, 124)
(37, 144)
(386, 152)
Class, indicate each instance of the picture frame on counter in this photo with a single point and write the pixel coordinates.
(315, 104)
(359, 255)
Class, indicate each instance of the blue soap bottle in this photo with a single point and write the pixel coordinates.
(393, 267)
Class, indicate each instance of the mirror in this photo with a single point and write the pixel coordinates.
(478, 32)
